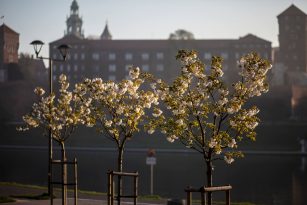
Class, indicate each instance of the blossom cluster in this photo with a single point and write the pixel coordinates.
(118, 108)
(198, 108)
(205, 113)
(60, 114)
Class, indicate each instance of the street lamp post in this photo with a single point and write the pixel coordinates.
(37, 45)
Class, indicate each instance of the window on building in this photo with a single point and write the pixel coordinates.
(224, 55)
(237, 55)
(68, 68)
(82, 56)
(145, 56)
(160, 56)
(128, 67)
(61, 68)
(145, 68)
(76, 68)
(54, 68)
(112, 77)
(82, 68)
(95, 56)
(266, 55)
(68, 56)
(54, 77)
(112, 68)
(128, 56)
(76, 56)
(96, 68)
(225, 67)
(112, 56)
(54, 56)
(160, 67)
(207, 56)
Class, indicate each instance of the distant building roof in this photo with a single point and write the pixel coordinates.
(292, 10)
(5, 28)
(250, 37)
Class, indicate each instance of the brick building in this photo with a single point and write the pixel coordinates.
(9, 44)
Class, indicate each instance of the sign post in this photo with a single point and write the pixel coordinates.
(151, 160)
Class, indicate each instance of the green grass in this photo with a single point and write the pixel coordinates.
(43, 196)
(23, 185)
(93, 193)
(5, 199)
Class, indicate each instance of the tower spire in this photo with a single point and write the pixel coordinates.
(74, 21)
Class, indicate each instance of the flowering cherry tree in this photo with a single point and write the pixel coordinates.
(119, 108)
(205, 114)
(60, 115)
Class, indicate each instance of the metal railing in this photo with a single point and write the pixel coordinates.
(203, 192)
(64, 182)
(111, 192)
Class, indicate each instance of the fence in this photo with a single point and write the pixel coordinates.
(63, 181)
(111, 193)
(203, 192)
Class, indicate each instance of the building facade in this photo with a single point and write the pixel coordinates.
(9, 44)
(111, 59)
(292, 52)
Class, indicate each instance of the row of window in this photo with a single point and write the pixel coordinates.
(69, 68)
(112, 56)
(96, 68)
(250, 45)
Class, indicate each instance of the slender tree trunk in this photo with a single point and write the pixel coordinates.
(120, 158)
(64, 175)
(120, 169)
(209, 177)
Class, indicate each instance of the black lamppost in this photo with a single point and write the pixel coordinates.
(63, 48)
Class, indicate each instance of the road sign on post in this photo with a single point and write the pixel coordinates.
(151, 160)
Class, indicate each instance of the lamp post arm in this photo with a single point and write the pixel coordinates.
(50, 59)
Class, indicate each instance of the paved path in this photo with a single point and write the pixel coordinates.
(84, 199)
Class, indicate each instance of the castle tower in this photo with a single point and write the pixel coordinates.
(9, 43)
(74, 22)
(293, 39)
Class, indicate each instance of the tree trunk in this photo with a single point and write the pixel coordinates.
(119, 169)
(64, 174)
(120, 159)
(209, 177)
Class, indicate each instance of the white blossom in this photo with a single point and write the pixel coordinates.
(39, 91)
(228, 159)
(151, 131)
(232, 144)
(212, 143)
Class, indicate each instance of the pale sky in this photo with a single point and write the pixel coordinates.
(146, 19)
